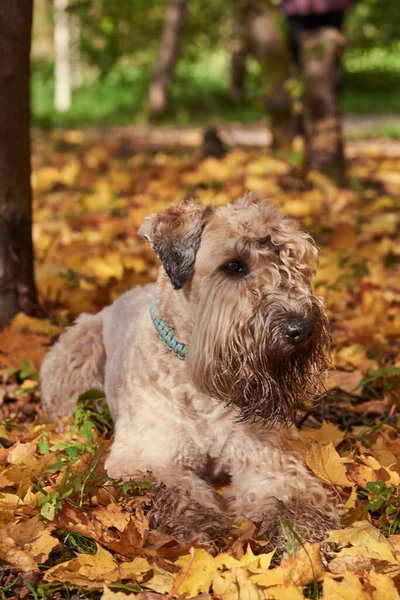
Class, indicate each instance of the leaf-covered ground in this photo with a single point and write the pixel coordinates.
(67, 531)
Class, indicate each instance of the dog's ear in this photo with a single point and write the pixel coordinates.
(175, 234)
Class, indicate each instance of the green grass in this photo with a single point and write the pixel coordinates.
(371, 85)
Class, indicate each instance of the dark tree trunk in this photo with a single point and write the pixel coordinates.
(240, 50)
(168, 55)
(321, 51)
(17, 285)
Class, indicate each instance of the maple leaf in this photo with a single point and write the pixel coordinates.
(109, 525)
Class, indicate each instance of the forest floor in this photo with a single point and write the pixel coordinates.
(67, 531)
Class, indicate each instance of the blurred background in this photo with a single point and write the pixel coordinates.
(93, 62)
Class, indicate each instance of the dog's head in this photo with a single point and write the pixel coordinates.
(260, 336)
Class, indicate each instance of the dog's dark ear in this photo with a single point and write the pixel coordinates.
(175, 234)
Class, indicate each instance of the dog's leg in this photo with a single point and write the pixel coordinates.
(74, 365)
(188, 508)
(274, 488)
(185, 505)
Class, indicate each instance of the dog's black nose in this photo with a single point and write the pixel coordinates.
(297, 330)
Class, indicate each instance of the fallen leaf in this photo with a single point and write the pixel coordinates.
(92, 571)
(384, 586)
(16, 347)
(363, 533)
(305, 567)
(350, 588)
(110, 595)
(235, 585)
(109, 525)
(325, 462)
(26, 544)
(354, 559)
(325, 434)
(200, 575)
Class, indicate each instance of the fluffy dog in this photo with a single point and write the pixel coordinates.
(204, 372)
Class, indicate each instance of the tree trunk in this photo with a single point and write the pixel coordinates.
(17, 286)
(168, 55)
(266, 42)
(321, 51)
(240, 50)
(62, 57)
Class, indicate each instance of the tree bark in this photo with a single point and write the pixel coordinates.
(167, 58)
(240, 51)
(17, 285)
(321, 51)
(260, 29)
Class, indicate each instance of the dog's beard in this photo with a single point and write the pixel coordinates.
(246, 363)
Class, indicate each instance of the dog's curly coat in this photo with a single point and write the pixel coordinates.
(235, 287)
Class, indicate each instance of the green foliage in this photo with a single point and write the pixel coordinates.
(25, 372)
(385, 501)
(76, 542)
(374, 23)
(90, 418)
(381, 381)
(118, 48)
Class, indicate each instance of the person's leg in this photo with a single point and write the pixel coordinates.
(296, 25)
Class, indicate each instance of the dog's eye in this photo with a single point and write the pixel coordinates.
(235, 267)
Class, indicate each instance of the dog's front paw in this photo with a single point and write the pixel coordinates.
(176, 513)
(292, 525)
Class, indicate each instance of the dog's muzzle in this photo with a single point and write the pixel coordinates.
(297, 330)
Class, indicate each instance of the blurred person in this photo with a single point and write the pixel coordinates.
(310, 15)
(316, 43)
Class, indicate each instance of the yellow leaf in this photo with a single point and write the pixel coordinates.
(270, 578)
(393, 478)
(327, 433)
(161, 582)
(325, 462)
(235, 585)
(29, 384)
(110, 595)
(384, 587)
(249, 557)
(305, 567)
(286, 592)
(349, 589)
(363, 533)
(265, 560)
(352, 499)
(22, 322)
(355, 559)
(226, 560)
(92, 571)
(200, 575)
(382, 453)
(23, 453)
(96, 202)
(353, 355)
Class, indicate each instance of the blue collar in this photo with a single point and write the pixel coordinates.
(167, 334)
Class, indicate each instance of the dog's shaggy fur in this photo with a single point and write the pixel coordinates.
(235, 287)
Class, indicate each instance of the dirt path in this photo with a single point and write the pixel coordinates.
(255, 135)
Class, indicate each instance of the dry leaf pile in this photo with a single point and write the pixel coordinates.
(66, 530)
